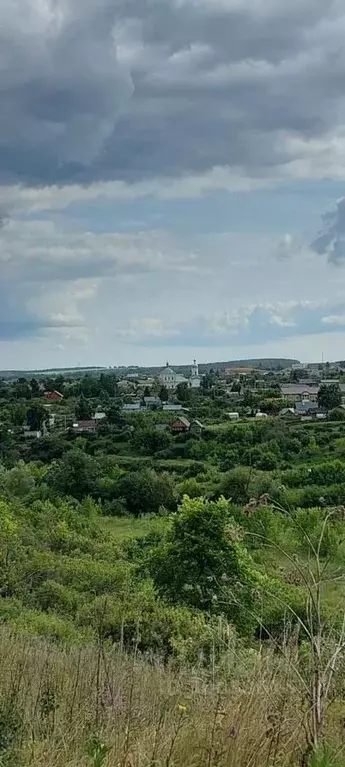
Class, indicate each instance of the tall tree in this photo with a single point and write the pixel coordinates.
(163, 394)
(83, 409)
(75, 474)
(22, 389)
(35, 387)
(329, 396)
(36, 416)
(183, 392)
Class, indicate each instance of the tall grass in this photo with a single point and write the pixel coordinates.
(99, 707)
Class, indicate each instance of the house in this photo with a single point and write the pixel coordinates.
(306, 408)
(85, 427)
(152, 403)
(133, 407)
(99, 416)
(173, 408)
(196, 428)
(34, 434)
(180, 425)
(300, 392)
(288, 413)
(53, 396)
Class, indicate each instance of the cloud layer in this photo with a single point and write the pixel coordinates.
(49, 271)
(249, 325)
(140, 89)
(160, 169)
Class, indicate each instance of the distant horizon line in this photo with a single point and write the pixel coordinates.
(249, 362)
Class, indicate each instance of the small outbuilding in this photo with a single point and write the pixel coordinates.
(180, 425)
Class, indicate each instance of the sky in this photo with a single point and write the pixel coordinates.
(172, 181)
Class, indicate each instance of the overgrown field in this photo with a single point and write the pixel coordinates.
(96, 706)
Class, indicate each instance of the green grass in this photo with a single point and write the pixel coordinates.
(123, 528)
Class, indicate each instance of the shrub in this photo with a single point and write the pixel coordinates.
(145, 491)
(49, 626)
(204, 564)
(235, 485)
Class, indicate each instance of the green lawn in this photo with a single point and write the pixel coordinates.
(123, 528)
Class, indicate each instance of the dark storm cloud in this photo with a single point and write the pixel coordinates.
(17, 321)
(61, 85)
(330, 241)
(215, 83)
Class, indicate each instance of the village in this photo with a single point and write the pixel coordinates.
(186, 403)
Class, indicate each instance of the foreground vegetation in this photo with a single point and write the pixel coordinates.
(170, 601)
(96, 706)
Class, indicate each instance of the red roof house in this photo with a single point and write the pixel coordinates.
(180, 425)
(53, 396)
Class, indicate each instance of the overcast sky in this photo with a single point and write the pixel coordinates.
(172, 176)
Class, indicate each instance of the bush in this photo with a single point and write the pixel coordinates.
(74, 475)
(204, 564)
(261, 458)
(116, 508)
(53, 596)
(49, 626)
(145, 622)
(337, 414)
(146, 491)
(235, 485)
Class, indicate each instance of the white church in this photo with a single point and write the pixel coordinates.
(171, 380)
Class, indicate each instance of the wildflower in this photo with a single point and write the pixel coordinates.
(182, 709)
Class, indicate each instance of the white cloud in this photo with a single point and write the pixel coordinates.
(51, 274)
(146, 327)
(334, 319)
(37, 199)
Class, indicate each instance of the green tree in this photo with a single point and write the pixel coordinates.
(183, 392)
(83, 409)
(21, 389)
(108, 382)
(36, 415)
(75, 474)
(114, 415)
(150, 440)
(329, 396)
(18, 414)
(235, 485)
(146, 491)
(163, 394)
(35, 387)
(17, 482)
(337, 414)
(204, 564)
